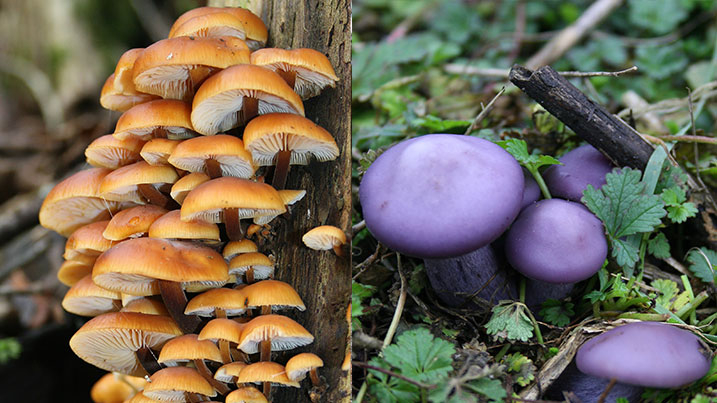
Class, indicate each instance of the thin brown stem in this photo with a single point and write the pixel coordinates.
(266, 310)
(224, 349)
(281, 170)
(148, 360)
(267, 390)
(250, 276)
(220, 313)
(250, 108)
(265, 347)
(152, 195)
(231, 220)
(204, 371)
(314, 375)
(175, 300)
(214, 169)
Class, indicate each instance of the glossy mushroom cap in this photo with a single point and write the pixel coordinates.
(185, 184)
(228, 373)
(110, 341)
(266, 371)
(111, 389)
(441, 195)
(160, 118)
(299, 365)
(324, 237)
(285, 334)
(110, 152)
(310, 70)
(186, 348)
(254, 33)
(85, 298)
(246, 394)
(581, 167)
(650, 354)
(157, 151)
(274, 293)
(231, 301)
(173, 382)
(76, 201)
(132, 222)
(114, 99)
(226, 151)
(556, 241)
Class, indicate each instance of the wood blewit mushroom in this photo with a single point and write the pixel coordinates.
(441, 196)
(581, 167)
(641, 354)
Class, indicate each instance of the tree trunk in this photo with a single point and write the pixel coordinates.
(321, 278)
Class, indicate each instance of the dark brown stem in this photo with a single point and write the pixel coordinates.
(224, 349)
(148, 360)
(267, 390)
(222, 388)
(265, 347)
(250, 276)
(250, 108)
(152, 195)
(238, 355)
(288, 76)
(266, 310)
(175, 300)
(214, 169)
(281, 170)
(220, 313)
(231, 220)
(339, 250)
(314, 375)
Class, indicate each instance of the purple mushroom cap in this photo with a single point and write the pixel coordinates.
(556, 241)
(441, 195)
(649, 354)
(581, 167)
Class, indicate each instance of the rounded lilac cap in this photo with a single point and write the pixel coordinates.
(581, 167)
(650, 354)
(556, 241)
(441, 195)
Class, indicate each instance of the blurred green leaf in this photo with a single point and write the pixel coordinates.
(658, 17)
(660, 62)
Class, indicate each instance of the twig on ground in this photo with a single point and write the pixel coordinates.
(399, 306)
(358, 227)
(465, 69)
(569, 36)
(361, 267)
(607, 390)
(484, 112)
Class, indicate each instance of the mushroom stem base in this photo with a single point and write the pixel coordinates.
(231, 220)
(281, 170)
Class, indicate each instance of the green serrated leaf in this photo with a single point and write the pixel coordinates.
(658, 246)
(679, 214)
(390, 389)
(703, 264)
(625, 253)
(522, 366)
(667, 289)
(492, 389)
(420, 356)
(621, 204)
(673, 196)
(556, 312)
(509, 321)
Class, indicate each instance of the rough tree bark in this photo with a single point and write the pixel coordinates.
(322, 279)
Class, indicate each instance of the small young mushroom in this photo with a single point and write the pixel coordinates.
(170, 226)
(223, 331)
(139, 183)
(87, 299)
(109, 152)
(163, 118)
(325, 237)
(114, 99)
(219, 155)
(218, 303)
(184, 349)
(246, 394)
(252, 265)
(272, 332)
(87, 242)
(307, 71)
(266, 372)
(113, 387)
(178, 384)
(71, 272)
(234, 248)
(270, 295)
(133, 222)
(299, 365)
(186, 184)
(157, 151)
(228, 373)
(582, 166)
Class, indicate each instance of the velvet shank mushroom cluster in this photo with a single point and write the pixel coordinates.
(157, 252)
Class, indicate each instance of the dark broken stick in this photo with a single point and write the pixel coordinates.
(587, 119)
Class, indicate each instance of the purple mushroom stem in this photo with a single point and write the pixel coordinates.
(459, 281)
